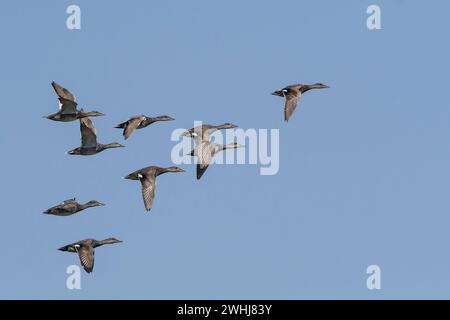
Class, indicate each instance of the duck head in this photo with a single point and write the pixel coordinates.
(228, 125)
(112, 145)
(173, 169)
(162, 118)
(111, 240)
(233, 146)
(91, 113)
(308, 87)
(94, 203)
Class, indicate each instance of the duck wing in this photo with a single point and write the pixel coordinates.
(131, 125)
(88, 133)
(291, 103)
(200, 133)
(63, 92)
(68, 207)
(204, 153)
(67, 101)
(205, 133)
(86, 254)
(67, 106)
(148, 183)
(69, 200)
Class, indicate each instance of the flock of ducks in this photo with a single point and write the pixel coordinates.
(204, 150)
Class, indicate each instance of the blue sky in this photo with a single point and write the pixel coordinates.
(364, 166)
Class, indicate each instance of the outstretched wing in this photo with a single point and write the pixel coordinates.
(63, 92)
(67, 106)
(204, 153)
(148, 183)
(68, 207)
(200, 133)
(201, 169)
(291, 103)
(204, 133)
(131, 125)
(88, 133)
(86, 254)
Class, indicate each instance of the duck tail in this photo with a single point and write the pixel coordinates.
(65, 248)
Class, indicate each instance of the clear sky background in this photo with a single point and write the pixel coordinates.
(364, 166)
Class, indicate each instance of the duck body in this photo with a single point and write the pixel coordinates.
(147, 177)
(86, 250)
(204, 131)
(292, 96)
(89, 144)
(70, 207)
(94, 150)
(139, 122)
(58, 116)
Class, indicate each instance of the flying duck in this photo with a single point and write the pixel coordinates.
(68, 106)
(85, 249)
(71, 206)
(205, 151)
(203, 132)
(292, 95)
(139, 122)
(147, 177)
(89, 145)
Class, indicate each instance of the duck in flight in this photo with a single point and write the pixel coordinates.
(204, 131)
(139, 122)
(205, 151)
(292, 96)
(89, 144)
(71, 206)
(147, 177)
(86, 250)
(68, 106)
